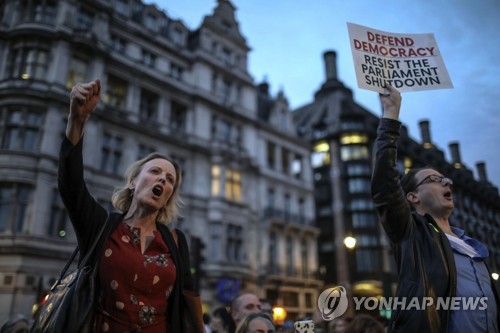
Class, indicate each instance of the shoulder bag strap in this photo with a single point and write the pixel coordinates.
(87, 256)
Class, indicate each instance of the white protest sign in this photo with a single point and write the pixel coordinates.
(408, 62)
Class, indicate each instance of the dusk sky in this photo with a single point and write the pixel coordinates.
(288, 39)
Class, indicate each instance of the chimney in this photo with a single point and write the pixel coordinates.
(481, 171)
(264, 88)
(425, 133)
(330, 65)
(455, 154)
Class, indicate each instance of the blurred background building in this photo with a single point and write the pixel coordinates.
(271, 194)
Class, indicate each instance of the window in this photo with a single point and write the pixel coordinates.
(176, 71)
(350, 139)
(361, 204)
(238, 136)
(116, 90)
(150, 22)
(271, 155)
(77, 72)
(367, 260)
(42, 11)
(321, 154)
(29, 61)
(21, 129)
(273, 252)
(224, 131)
(289, 256)
(215, 239)
(178, 114)
(285, 161)
(226, 56)
(358, 170)
(58, 218)
(177, 36)
(216, 181)
(85, 20)
(367, 240)
(111, 153)
(213, 86)
(149, 105)
(287, 208)
(290, 299)
(296, 166)
(121, 6)
(144, 150)
(270, 198)
(305, 258)
(302, 209)
(364, 220)
(226, 89)
(118, 44)
(14, 200)
(348, 153)
(148, 58)
(233, 185)
(359, 185)
(234, 248)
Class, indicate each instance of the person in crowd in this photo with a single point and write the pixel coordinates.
(243, 305)
(266, 307)
(338, 325)
(16, 324)
(435, 261)
(255, 322)
(143, 265)
(206, 321)
(222, 322)
(363, 323)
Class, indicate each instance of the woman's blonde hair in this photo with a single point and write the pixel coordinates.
(245, 323)
(122, 196)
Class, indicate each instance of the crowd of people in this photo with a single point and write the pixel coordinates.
(248, 314)
(434, 259)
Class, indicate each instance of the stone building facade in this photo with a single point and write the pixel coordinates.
(185, 93)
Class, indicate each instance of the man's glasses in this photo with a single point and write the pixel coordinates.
(435, 179)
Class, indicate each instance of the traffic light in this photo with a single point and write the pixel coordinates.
(198, 259)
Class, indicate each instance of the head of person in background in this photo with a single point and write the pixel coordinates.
(266, 307)
(206, 321)
(16, 324)
(243, 305)
(338, 325)
(221, 321)
(363, 323)
(256, 322)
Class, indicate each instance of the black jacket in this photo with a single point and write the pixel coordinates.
(87, 217)
(424, 257)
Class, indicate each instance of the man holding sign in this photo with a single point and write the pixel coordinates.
(438, 266)
(408, 62)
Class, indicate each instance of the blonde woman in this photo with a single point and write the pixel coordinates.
(142, 272)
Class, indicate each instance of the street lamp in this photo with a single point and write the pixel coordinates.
(494, 276)
(279, 315)
(350, 242)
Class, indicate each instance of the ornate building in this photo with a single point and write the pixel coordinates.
(247, 190)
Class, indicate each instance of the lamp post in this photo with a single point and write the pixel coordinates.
(279, 315)
(350, 242)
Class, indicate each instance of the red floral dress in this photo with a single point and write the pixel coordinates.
(135, 287)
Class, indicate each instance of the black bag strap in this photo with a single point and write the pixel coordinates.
(85, 259)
